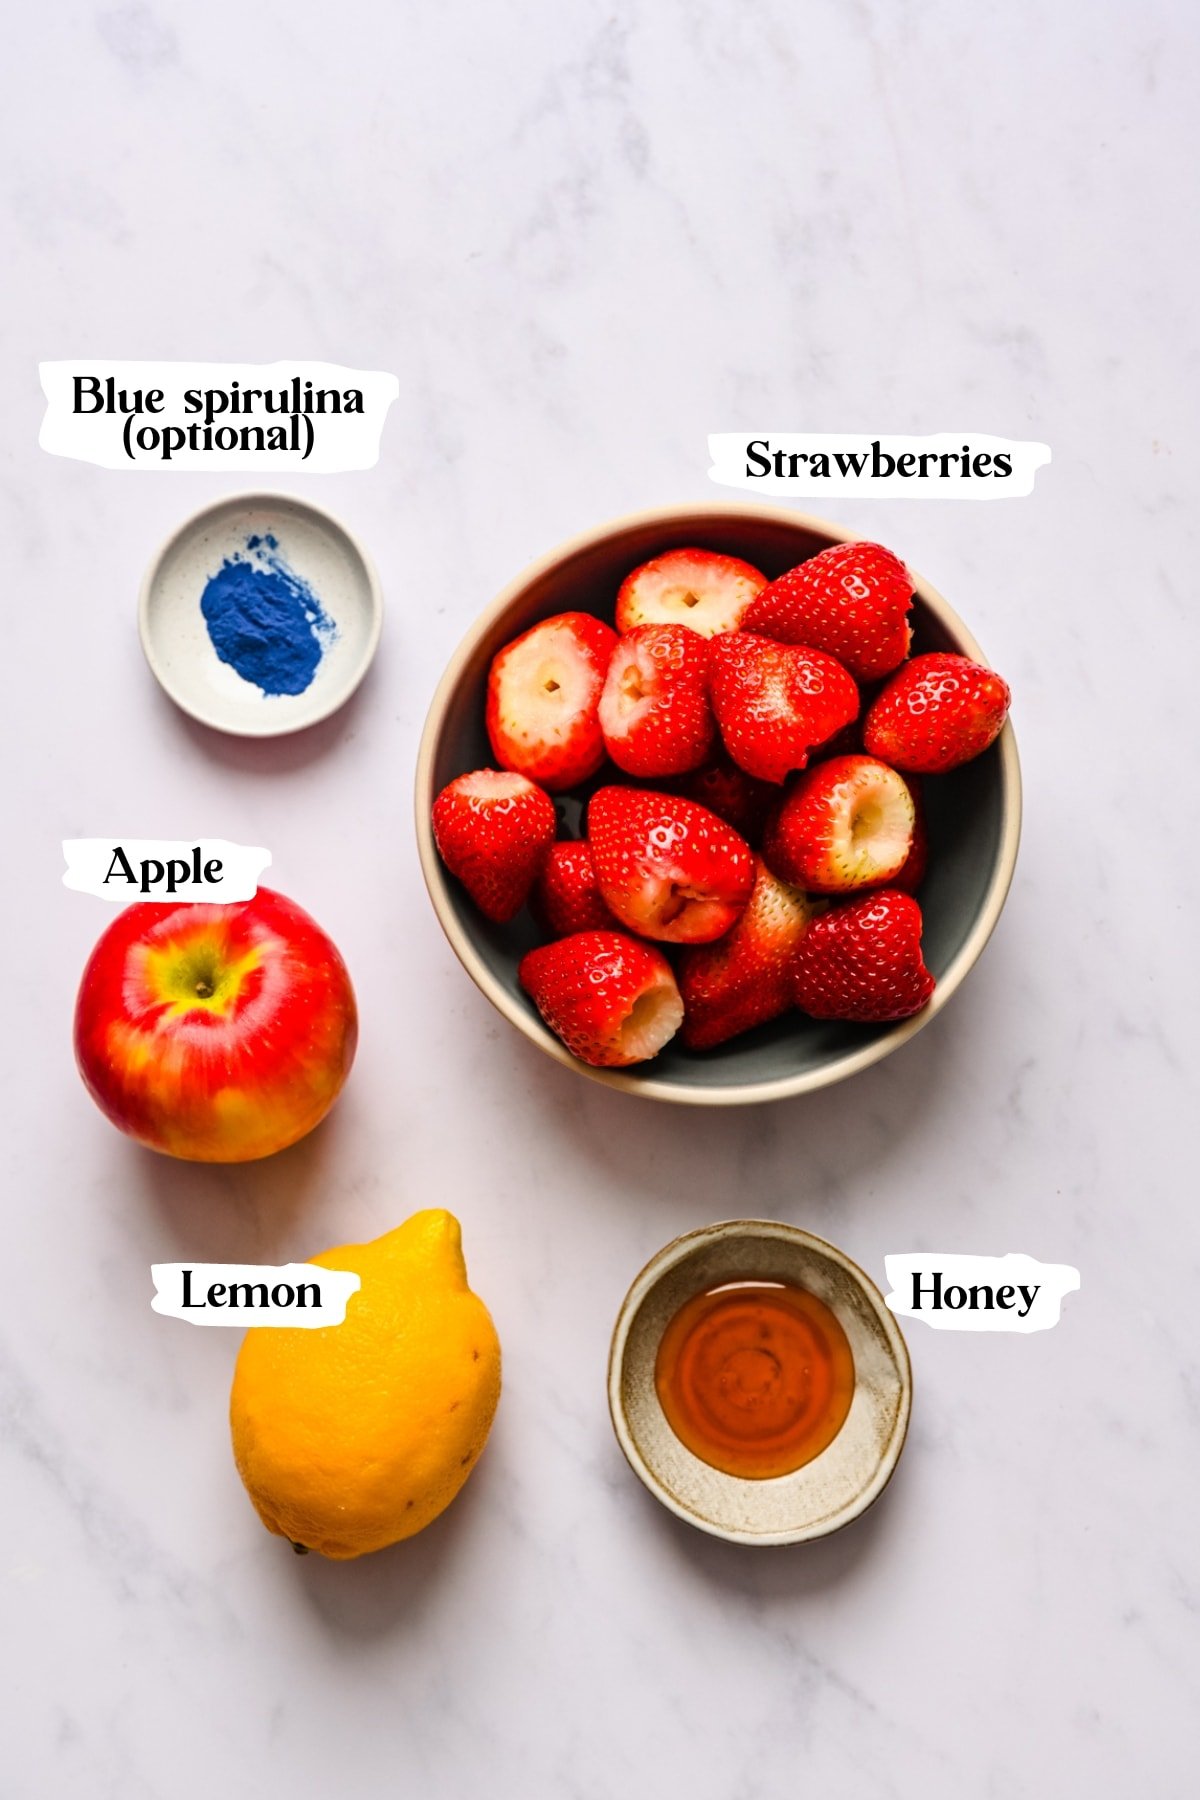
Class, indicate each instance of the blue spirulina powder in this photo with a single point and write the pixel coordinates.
(264, 620)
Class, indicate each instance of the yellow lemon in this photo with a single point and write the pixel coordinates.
(353, 1436)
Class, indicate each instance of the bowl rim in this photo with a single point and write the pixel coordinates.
(643, 1284)
(264, 497)
(525, 1018)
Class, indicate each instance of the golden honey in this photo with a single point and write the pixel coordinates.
(756, 1378)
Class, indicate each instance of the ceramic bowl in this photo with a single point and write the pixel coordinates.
(849, 1475)
(313, 548)
(974, 812)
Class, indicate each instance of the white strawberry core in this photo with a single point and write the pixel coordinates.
(628, 691)
(684, 590)
(667, 903)
(873, 824)
(492, 787)
(653, 1019)
(545, 684)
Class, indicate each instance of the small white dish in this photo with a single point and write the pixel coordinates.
(317, 551)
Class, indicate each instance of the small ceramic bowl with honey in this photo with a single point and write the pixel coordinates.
(758, 1384)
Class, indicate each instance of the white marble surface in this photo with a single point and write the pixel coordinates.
(583, 236)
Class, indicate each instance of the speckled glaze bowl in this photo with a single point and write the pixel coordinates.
(974, 812)
(849, 1475)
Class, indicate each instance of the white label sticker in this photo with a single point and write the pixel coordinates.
(125, 869)
(294, 1294)
(175, 415)
(978, 1293)
(948, 466)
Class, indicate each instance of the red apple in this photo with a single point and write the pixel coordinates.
(216, 1033)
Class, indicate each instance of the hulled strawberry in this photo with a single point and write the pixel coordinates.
(775, 703)
(862, 961)
(733, 795)
(655, 712)
(494, 829)
(668, 868)
(851, 600)
(846, 823)
(566, 896)
(744, 979)
(936, 712)
(702, 589)
(543, 700)
(611, 1000)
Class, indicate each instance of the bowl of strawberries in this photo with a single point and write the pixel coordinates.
(718, 803)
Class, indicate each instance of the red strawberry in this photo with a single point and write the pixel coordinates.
(846, 823)
(698, 588)
(776, 702)
(566, 897)
(936, 712)
(744, 979)
(493, 831)
(733, 795)
(916, 863)
(666, 867)
(862, 961)
(544, 697)
(611, 1000)
(654, 710)
(851, 600)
